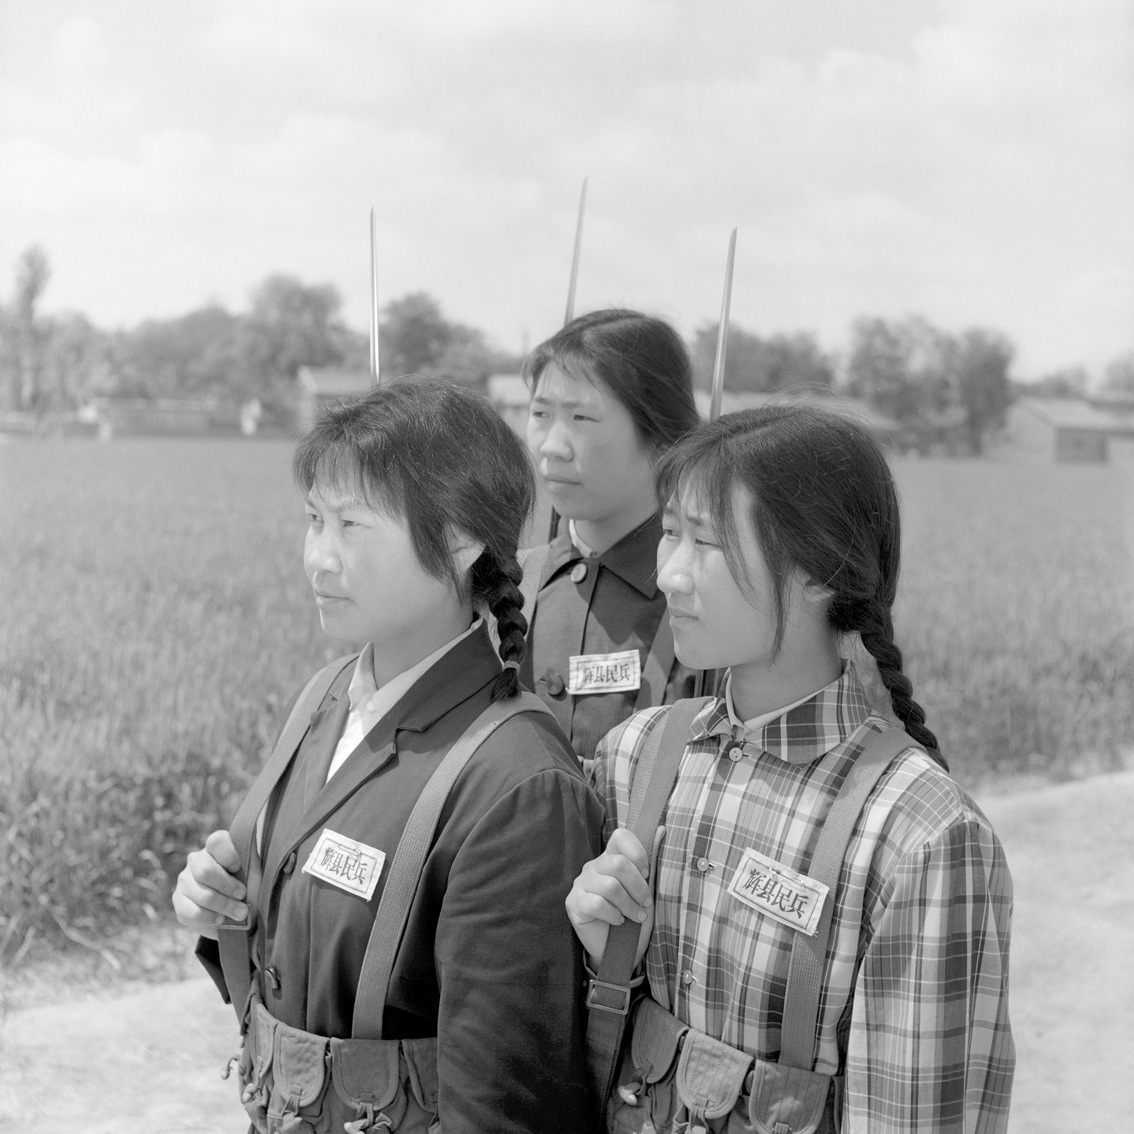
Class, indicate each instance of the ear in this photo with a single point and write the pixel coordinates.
(464, 550)
(815, 592)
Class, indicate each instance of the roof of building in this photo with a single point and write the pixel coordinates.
(856, 408)
(1113, 402)
(1075, 413)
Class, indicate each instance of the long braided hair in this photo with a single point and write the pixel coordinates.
(438, 457)
(823, 502)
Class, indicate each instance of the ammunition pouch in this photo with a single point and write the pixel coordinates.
(675, 1078)
(295, 1082)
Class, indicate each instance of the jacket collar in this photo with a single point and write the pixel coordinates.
(633, 558)
(804, 733)
(455, 677)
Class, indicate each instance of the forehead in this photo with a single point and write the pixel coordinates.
(339, 496)
(696, 503)
(572, 388)
(690, 500)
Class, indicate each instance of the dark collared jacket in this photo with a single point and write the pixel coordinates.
(614, 606)
(489, 963)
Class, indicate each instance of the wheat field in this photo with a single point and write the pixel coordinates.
(156, 620)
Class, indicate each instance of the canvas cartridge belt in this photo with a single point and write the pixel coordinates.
(296, 1082)
(674, 1077)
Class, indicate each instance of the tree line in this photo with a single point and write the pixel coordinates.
(936, 387)
(56, 363)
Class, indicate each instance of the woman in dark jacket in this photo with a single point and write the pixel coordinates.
(611, 392)
(416, 496)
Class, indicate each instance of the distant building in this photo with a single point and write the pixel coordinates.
(319, 385)
(116, 416)
(887, 429)
(1066, 429)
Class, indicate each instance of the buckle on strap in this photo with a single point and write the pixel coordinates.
(609, 997)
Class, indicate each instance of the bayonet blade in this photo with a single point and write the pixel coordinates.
(575, 256)
(700, 684)
(553, 520)
(722, 334)
(374, 371)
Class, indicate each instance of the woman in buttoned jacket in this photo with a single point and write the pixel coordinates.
(781, 533)
(611, 392)
(416, 495)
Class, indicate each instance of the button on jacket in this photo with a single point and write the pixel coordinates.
(489, 963)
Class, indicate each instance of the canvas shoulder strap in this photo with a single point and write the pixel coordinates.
(409, 859)
(233, 938)
(608, 995)
(809, 954)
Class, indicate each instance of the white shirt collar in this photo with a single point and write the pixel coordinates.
(749, 727)
(363, 687)
(576, 539)
(369, 704)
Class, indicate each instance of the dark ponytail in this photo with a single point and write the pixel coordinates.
(496, 584)
(875, 627)
(823, 502)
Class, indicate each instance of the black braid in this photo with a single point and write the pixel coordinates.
(876, 629)
(496, 584)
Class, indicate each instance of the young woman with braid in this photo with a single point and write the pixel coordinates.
(416, 495)
(611, 392)
(781, 532)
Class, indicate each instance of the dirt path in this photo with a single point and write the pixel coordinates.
(150, 1061)
(136, 1064)
(1071, 851)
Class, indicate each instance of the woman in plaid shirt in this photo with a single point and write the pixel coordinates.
(781, 533)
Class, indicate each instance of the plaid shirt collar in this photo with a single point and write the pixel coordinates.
(804, 733)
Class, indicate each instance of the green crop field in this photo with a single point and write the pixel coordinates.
(156, 620)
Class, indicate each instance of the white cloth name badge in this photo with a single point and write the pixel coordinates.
(781, 893)
(350, 865)
(605, 673)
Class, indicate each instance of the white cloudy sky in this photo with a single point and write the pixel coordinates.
(969, 159)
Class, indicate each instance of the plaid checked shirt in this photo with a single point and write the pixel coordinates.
(914, 1007)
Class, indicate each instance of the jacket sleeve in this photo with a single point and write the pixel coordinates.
(930, 1047)
(511, 1026)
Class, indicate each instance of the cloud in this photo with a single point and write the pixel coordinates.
(966, 159)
